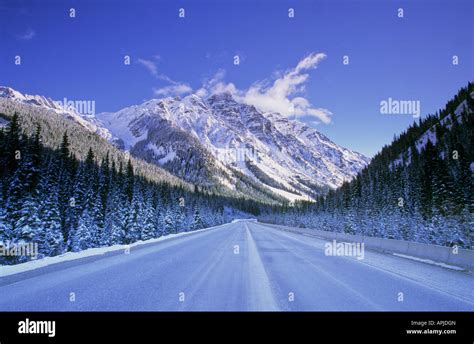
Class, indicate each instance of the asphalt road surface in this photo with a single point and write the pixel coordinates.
(238, 267)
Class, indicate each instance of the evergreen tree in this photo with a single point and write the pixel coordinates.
(51, 239)
(180, 218)
(198, 222)
(168, 223)
(83, 236)
(133, 222)
(11, 146)
(148, 229)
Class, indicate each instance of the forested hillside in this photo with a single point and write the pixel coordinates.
(81, 138)
(62, 203)
(418, 188)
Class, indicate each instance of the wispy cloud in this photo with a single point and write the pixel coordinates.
(283, 94)
(27, 35)
(216, 84)
(172, 90)
(149, 65)
(175, 87)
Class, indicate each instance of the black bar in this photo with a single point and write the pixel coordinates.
(312, 327)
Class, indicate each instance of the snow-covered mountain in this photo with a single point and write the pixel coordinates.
(83, 135)
(218, 142)
(217, 139)
(88, 122)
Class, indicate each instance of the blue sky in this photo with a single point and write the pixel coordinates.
(408, 58)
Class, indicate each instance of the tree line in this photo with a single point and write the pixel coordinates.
(51, 198)
(419, 188)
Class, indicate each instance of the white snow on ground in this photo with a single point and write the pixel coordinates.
(120, 124)
(156, 150)
(288, 195)
(7, 270)
(227, 183)
(429, 135)
(429, 261)
(159, 151)
(240, 220)
(167, 158)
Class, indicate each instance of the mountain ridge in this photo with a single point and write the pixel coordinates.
(234, 135)
(205, 141)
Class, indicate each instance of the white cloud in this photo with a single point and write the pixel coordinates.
(215, 84)
(202, 92)
(152, 67)
(29, 34)
(283, 95)
(173, 90)
(149, 65)
(176, 88)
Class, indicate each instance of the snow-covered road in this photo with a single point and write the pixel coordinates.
(239, 266)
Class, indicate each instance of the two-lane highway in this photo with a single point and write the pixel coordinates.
(239, 266)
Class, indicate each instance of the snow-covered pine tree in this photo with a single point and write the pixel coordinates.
(198, 222)
(100, 205)
(148, 230)
(28, 224)
(134, 221)
(168, 222)
(179, 216)
(11, 147)
(66, 165)
(5, 231)
(52, 240)
(83, 236)
(77, 201)
(118, 217)
(159, 215)
(98, 218)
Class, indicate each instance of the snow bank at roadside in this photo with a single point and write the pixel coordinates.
(429, 261)
(7, 270)
(244, 220)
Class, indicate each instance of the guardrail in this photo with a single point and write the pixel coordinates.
(459, 257)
